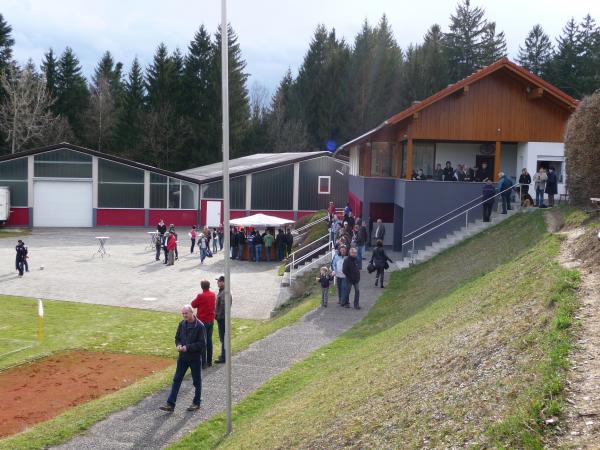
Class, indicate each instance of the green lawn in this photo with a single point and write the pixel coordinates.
(466, 350)
(70, 325)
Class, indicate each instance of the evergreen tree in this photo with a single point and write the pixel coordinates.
(537, 51)
(589, 58)
(287, 133)
(6, 44)
(199, 97)
(72, 95)
(161, 78)
(239, 109)
(435, 62)
(49, 69)
(563, 69)
(466, 41)
(493, 45)
(130, 116)
(111, 72)
(321, 87)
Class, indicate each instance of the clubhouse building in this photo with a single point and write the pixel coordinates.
(502, 115)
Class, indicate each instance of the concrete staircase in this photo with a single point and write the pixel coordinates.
(454, 238)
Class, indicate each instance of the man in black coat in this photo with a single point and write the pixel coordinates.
(21, 251)
(352, 272)
(488, 193)
(280, 244)
(190, 341)
(448, 172)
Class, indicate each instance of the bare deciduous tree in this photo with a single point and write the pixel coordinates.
(25, 113)
(102, 118)
(287, 135)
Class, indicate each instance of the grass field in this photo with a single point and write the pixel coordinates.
(466, 350)
(70, 325)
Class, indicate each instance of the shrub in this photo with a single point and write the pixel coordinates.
(582, 145)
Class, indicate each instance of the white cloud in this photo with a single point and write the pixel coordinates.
(274, 34)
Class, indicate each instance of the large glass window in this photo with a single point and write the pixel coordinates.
(166, 192)
(237, 191)
(63, 163)
(119, 186)
(13, 175)
(423, 157)
(158, 191)
(382, 159)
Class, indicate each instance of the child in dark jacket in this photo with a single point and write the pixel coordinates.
(325, 278)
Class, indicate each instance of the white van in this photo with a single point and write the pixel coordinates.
(4, 205)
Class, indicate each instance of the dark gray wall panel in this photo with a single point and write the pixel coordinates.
(273, 189)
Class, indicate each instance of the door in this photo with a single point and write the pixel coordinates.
(62, 204)
(213, 214)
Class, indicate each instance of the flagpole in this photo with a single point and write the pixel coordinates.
(227, 292)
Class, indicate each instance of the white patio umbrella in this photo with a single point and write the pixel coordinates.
(260, 220)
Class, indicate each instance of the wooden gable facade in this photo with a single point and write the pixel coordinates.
(501, 103)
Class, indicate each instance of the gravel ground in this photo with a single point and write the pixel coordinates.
(130, 276)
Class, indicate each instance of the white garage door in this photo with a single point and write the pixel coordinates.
(62, 204)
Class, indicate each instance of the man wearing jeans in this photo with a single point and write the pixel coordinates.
(190, 343)
(352, 272)
(337, 264)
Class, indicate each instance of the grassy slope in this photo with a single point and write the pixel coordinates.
(70, 325)
(467, 349)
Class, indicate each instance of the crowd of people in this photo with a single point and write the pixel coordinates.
(194, 342)
(350, 237)
(462, 172)
(273, 245)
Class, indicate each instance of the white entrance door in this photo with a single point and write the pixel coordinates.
(62, 203)
(213, 214)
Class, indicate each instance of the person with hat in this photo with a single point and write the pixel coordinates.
(205, 311)
(220, 316)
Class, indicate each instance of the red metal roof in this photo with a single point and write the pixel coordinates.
(503, 63)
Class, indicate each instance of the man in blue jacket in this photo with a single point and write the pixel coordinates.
(504, 183)
(190, 341)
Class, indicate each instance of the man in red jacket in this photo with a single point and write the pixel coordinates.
(171, 247)
(205, 312)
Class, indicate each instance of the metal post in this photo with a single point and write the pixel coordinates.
(412, 256)
(467, 220)
(226, 209)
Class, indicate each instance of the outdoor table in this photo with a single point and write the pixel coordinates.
(153, 236)
(101, 248)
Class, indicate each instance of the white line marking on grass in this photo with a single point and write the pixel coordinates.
(30, 344)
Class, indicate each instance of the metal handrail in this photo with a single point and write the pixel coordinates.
(310, 264)
(304, 257)
(311, 224)
(449, 212)
(310, 243)
(458, 215)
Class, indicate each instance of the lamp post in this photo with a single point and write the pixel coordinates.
(227, 274)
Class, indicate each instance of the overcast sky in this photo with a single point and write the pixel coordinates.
(274, 34)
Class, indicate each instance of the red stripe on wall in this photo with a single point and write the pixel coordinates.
(179, 218)
(19, 217)
(237, 214)
(120, 217)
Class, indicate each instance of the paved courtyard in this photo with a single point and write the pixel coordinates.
(129, 276)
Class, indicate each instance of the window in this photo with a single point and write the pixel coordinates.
(63, 163)
(166, 192)
(325, 185)
(119, 186)
(423, 157)
(382, 159)
(13, 174)
(237, 191)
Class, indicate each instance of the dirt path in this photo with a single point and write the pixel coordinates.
(580, 425)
